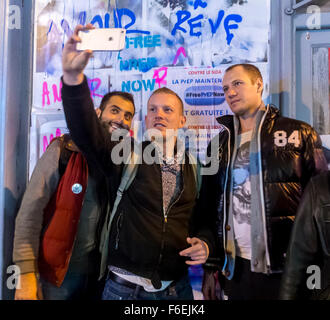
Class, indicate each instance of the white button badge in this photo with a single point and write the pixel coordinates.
(76, 188)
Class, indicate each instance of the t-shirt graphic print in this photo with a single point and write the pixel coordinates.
(241, 196)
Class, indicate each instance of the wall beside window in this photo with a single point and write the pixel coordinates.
(15, 101)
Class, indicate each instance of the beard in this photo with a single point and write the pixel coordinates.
(111, 126)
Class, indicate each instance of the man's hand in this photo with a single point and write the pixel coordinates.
(198, 252)
(29, 287)
(73, 61)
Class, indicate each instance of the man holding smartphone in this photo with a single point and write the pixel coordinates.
(146, 250)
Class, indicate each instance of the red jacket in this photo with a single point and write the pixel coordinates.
(61, 218)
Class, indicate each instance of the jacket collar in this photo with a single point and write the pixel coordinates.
(228, 120)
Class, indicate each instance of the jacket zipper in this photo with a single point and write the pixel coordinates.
(262, 189)
(165, 219)
(119, 224)
(225, 190)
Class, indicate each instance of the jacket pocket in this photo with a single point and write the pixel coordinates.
(118, 228)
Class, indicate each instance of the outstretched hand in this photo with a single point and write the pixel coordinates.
(198, 252)
(74, 61)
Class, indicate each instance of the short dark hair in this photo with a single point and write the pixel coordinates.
(168, 91)
(125, 95)
(252, 70)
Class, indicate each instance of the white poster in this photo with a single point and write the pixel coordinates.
(185, 45)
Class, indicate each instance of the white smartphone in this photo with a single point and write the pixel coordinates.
(108, 39)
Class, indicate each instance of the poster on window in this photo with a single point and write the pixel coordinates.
(185, 45)
(164, 39)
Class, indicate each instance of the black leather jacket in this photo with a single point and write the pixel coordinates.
(290, 154)
(310, 244)
(141, 240)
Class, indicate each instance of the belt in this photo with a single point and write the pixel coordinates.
(123, 282)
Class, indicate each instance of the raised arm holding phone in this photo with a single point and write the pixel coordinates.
(152, 240)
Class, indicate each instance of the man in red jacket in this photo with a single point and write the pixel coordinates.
(64, 249)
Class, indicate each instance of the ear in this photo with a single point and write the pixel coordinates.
(98, 112)
(260, 86)
(183, 121)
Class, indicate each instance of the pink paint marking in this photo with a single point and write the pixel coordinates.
(93, 87)
(45, 94)
(58, 132)
(160, 80)
(45, 142)
(57, 93)
(51, 137)
(180, 50)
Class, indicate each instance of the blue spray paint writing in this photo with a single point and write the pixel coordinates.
(195, 22)
(143, 42)
(199, 3)
(143, 65)
(118, 15)
(138, 85)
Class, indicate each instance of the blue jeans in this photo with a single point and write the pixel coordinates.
(178, 290)
(74, 287)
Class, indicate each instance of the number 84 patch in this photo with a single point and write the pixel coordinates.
(281, 138)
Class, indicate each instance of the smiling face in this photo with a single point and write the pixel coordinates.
(117, 113)
(164, 112)
(242, 94)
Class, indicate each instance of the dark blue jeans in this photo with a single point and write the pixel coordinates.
(74, 287)
(178, 290)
